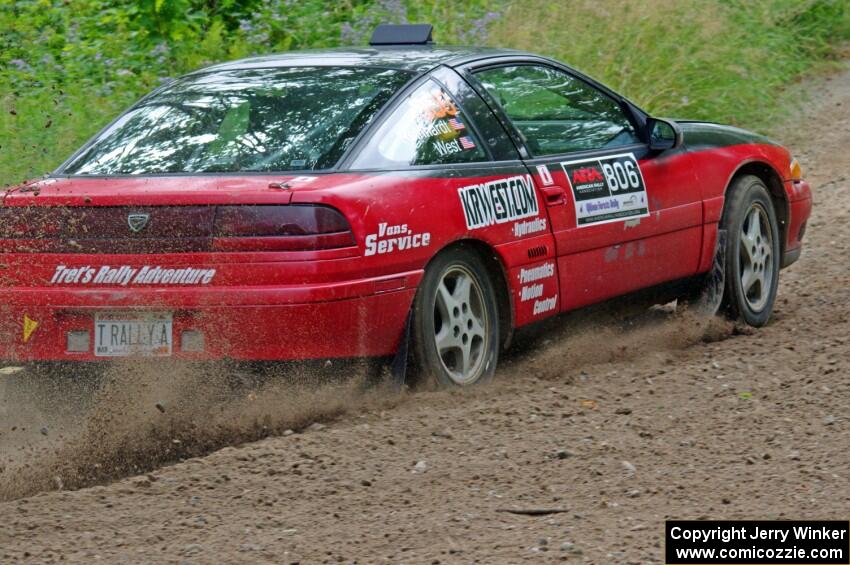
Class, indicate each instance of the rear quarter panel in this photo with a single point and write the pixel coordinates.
(402, 219)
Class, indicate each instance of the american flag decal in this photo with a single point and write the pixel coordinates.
(467, 143)
(456, 124)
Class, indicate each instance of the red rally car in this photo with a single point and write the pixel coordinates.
(345, 203)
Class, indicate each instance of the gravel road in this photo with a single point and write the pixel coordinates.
(615, 426)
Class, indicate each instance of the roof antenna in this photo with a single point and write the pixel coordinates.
(406, 34)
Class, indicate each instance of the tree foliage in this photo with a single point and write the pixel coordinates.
(67, 67)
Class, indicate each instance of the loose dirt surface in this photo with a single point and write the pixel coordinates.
(619, 425)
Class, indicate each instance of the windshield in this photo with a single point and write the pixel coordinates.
(242, 120)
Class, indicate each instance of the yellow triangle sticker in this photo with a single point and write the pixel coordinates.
(29, 327)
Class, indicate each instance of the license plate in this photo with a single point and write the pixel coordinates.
(131, 334)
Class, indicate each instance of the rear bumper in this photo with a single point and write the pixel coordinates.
(359, 318)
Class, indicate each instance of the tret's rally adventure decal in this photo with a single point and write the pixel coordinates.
(607, 189)
(125, 275)
(499, 201)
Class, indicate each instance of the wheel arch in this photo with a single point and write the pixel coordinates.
(773, 180)
(499, 274)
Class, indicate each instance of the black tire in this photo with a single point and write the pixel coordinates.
(473, 321)
(748, 255)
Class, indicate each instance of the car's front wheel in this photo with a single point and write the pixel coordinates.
(455, 321)
(752, 251)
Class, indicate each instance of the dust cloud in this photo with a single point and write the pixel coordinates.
(76, 426)
(63, 430)
(612, 332)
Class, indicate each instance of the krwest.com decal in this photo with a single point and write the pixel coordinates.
(498, 201)
(607, 189)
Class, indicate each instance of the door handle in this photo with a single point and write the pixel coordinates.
(554, 195)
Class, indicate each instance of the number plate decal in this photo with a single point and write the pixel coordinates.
(125, 334)
(607, 189)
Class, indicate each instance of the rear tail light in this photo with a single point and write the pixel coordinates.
(35, 222)
(280, 228)
(172, 229)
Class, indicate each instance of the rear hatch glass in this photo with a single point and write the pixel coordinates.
(249, 120)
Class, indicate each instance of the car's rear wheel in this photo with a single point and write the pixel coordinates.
(752, 252)
(455, 321)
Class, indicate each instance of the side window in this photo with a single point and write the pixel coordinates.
(556, 112)
(427, 128)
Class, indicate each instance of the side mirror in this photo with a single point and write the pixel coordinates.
(663, 134)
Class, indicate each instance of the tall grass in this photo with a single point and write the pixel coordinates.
(721, 60)
(67, 68)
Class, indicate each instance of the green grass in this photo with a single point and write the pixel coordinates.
(68, 68)
(727, 61)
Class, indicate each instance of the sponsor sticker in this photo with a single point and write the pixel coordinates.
(536, 294)
(448, 146)
(607, 189)
(125, 275)
(534, 274)
(456, 124)
(439, 125)
(30, 326)
(545, 175)
(439, 129)
(444, 148)
(545, 305)
(528, 227)
(530, 292)
(498, 201)
(439, 106)
(391, 238)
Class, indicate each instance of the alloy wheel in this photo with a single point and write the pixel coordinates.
(756, 255)
(460, 325)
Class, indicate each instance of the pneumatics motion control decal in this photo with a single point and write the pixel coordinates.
(607, 189)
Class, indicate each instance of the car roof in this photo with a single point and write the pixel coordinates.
(415, 58)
